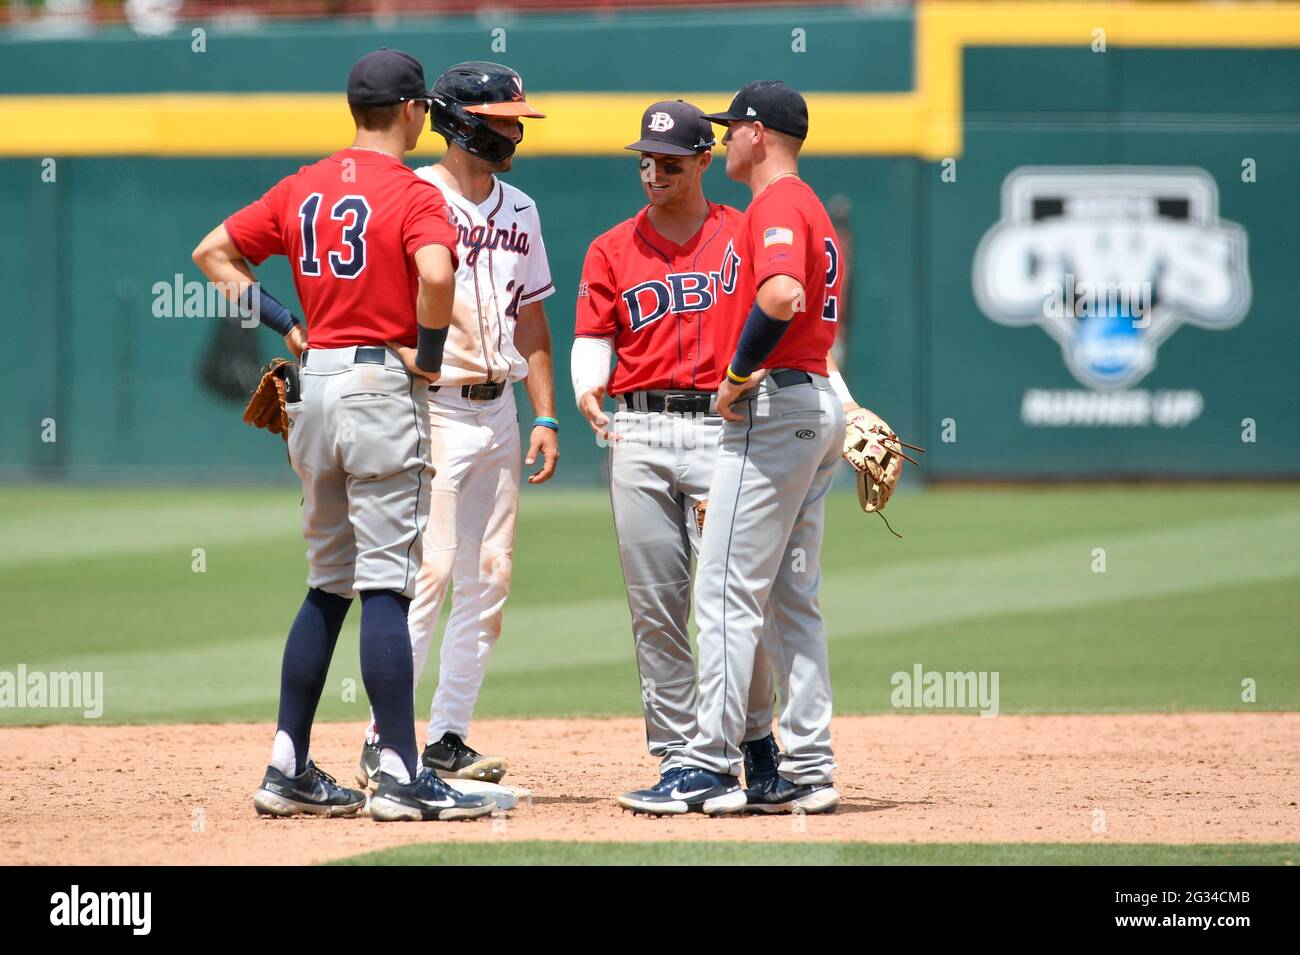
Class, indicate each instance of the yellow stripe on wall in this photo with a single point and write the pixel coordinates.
(311, 124)
(925, 122)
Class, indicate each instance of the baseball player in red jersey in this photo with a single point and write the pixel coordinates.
(648, 296)
(373, 253)
(776, 458)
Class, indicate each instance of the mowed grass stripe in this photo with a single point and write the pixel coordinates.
(71, 523)
(120, 525)
(1188, 606)
(239, 682)
(922, 594)
(822, 853)
(1164, 653)
(1160, 654)
(58, 522)
(1060, 576)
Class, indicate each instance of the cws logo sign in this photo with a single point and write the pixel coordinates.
(1110, 261)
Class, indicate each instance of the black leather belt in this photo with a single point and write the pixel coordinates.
(785, 377)
(670, 402)
(487, 391)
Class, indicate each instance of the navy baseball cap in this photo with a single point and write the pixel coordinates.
(771, 103)
(385, 77)
(673, 128)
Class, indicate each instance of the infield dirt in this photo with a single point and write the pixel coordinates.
(181, 794)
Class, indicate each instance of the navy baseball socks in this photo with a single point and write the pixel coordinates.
(405, 792)
(306, 663)
(388, 674)
(293, 784)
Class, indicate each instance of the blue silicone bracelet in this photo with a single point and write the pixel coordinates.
(544, 422)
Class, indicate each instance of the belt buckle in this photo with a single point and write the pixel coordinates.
(484, 391)
(683, 402)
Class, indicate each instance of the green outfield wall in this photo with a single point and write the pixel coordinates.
(975, 169)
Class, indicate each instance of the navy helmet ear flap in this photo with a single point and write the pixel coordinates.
(469, 131)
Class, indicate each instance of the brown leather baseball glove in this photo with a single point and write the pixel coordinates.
(698, 509)
(278, 387)
(877, 455)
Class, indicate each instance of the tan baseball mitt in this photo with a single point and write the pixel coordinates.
(278, 387)
(877, 455)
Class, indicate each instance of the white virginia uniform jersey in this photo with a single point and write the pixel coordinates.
(502, 267)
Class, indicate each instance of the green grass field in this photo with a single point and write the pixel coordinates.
(822, 853)
(1201, 589)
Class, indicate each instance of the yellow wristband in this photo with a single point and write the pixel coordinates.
(732, 376)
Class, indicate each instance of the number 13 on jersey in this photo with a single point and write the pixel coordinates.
(354, 235)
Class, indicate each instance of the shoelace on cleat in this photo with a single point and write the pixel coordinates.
(436, 785)
(324, 775)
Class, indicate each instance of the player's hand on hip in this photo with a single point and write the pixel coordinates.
(590, 406)
(728, 392)
(547, 443)
(296, 341)
(408, 360)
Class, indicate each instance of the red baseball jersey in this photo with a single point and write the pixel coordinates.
(658, 301)
(350, 225)
(785, 231)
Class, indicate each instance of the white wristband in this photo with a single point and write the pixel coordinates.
(840, 388)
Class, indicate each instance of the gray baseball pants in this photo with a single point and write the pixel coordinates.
(659, 470)
(760, 561)
(359, 439)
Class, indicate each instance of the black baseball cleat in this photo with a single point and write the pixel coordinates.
(425, 798)
(315, 792)
(761, 757)
(693, 790)
(450, 758)
(781, 795)
(368, 765)
(666, 782)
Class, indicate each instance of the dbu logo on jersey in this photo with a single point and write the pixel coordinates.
(679, 292)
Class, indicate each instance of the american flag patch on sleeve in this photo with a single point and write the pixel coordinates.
(777, 236)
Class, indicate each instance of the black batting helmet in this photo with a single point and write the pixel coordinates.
(469, 91)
